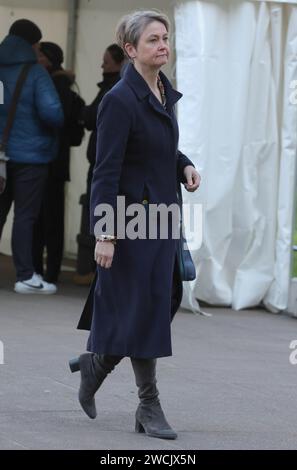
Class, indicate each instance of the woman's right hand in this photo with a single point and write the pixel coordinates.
(104, 252)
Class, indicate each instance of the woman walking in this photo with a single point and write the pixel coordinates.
(137, 289)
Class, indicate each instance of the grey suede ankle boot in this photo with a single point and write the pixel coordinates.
(93, 370)
(149, 416)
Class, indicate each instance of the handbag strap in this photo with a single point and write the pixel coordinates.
(179, 192)
(180, 201)
(13, 107)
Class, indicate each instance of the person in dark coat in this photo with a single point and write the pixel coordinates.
(113, 60)
(32, 144)
(49, 228)
(131, 306)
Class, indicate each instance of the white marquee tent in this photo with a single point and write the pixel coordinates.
(235, 62)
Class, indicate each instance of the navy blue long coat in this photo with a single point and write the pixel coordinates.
(131, 305)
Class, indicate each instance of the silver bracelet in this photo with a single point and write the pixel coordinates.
(107, 238)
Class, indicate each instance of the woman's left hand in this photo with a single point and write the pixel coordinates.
(193, 178)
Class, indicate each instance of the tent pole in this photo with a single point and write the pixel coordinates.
(73, 6)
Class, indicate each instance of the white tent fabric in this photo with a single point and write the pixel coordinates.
(235, 63)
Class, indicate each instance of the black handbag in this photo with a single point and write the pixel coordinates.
(186, 265)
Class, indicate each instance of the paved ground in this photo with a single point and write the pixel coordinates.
(229, 384)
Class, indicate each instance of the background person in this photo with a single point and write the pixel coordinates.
(32, 144)
(49, 227)
(112, 63)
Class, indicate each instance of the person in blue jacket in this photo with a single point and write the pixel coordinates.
(131, 306)
(31, 146)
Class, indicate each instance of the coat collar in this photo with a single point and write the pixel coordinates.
(141, 88)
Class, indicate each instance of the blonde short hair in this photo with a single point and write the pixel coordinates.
(131, 26)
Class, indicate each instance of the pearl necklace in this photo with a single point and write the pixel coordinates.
(162, 91)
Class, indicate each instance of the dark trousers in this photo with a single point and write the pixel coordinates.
(49, 230)
(86, 241)
(25, 186)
